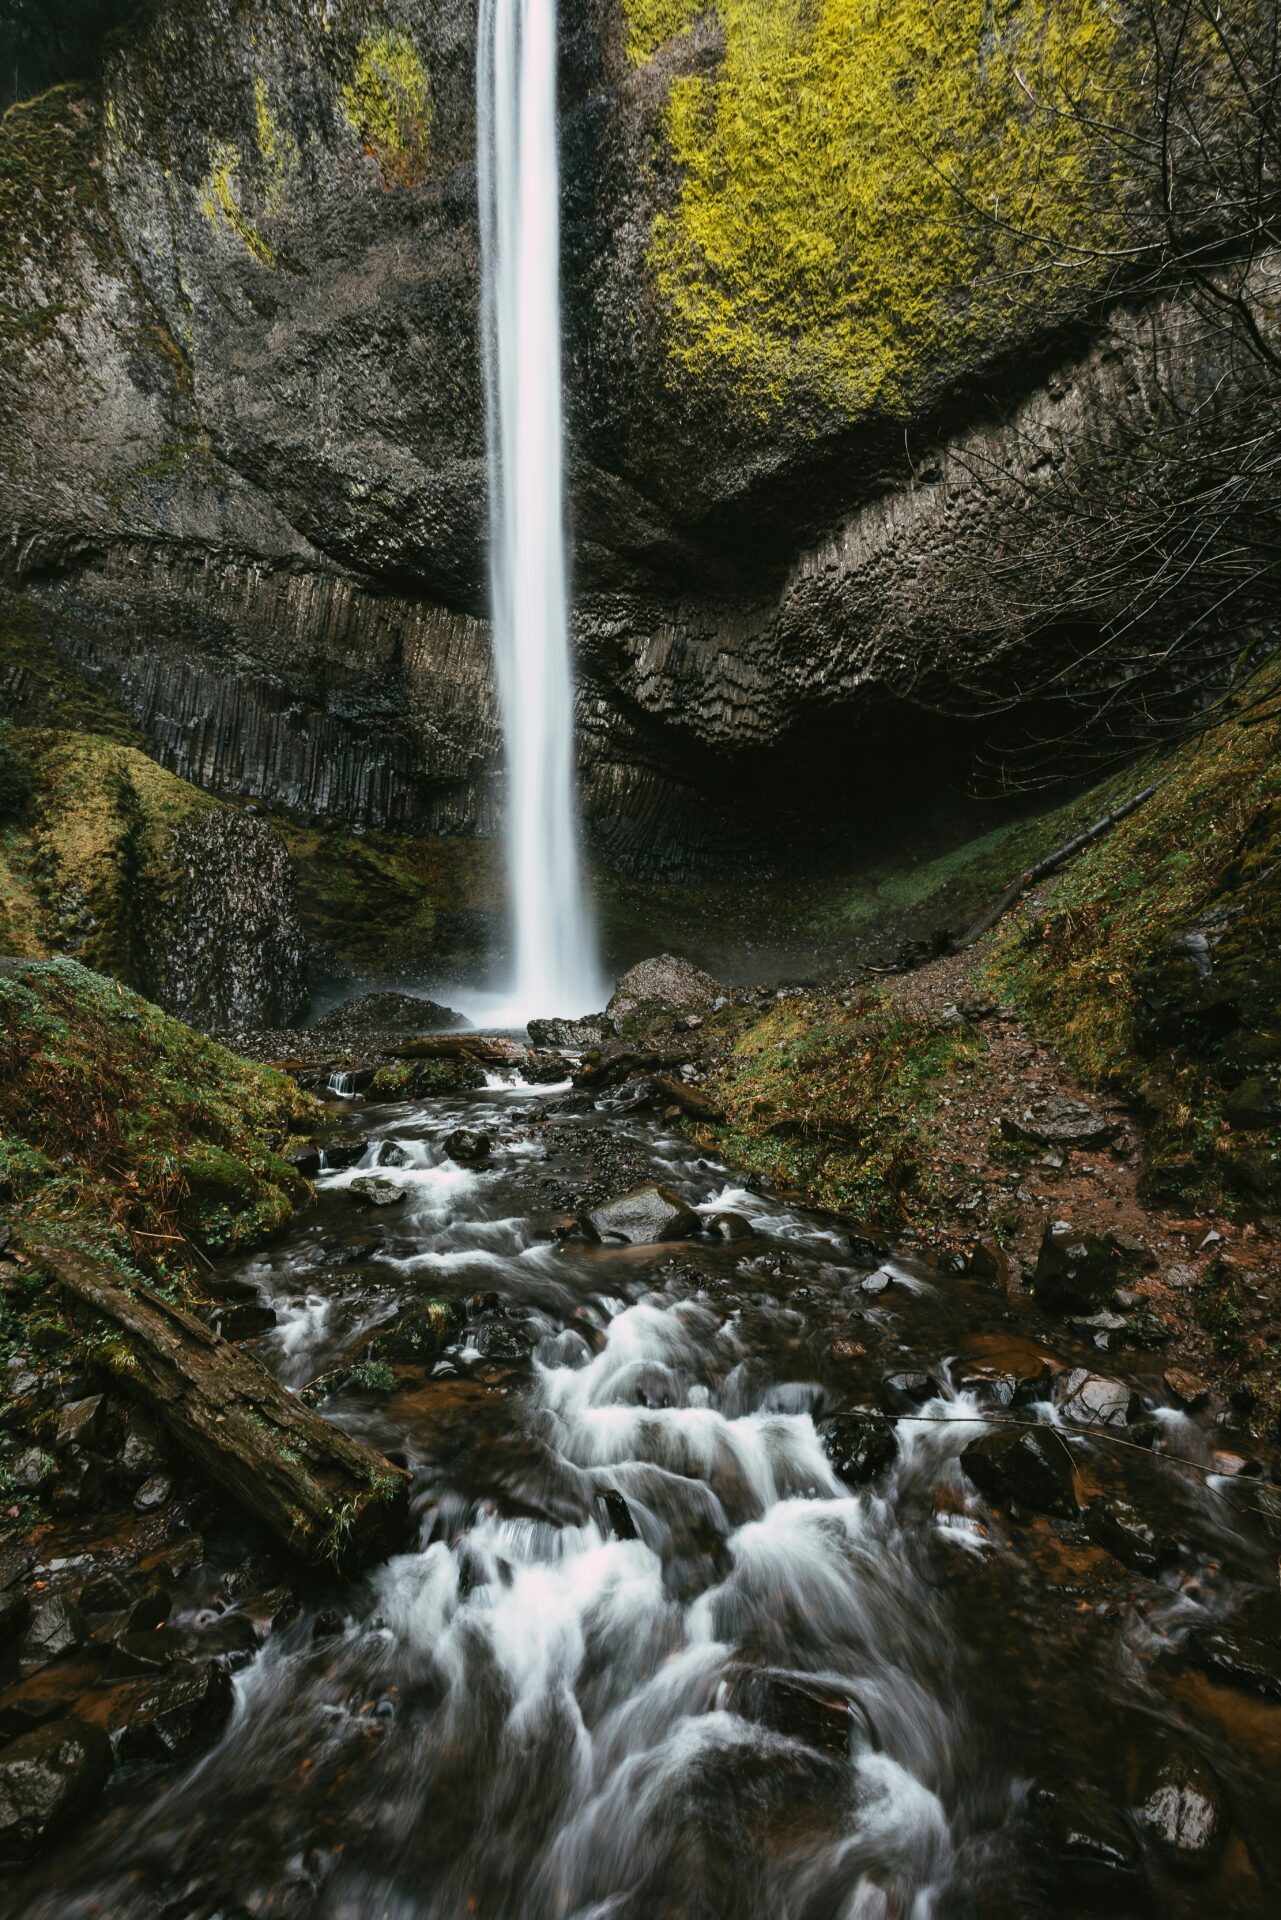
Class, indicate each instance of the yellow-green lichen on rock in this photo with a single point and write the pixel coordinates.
(277, 149)
(854, 179)
(220, 195)
(388, 105)
(652, 23)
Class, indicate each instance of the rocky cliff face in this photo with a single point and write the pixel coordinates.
(241, 439)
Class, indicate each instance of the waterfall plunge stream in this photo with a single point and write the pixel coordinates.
(555, 966)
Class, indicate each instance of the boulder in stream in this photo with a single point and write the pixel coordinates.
(644, 1215)
(1028, 1466)
(1093, 1400)
(47, 1779)
(860, 1445)
(179, 1715)
(371, 1191)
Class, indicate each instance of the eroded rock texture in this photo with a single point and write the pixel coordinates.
(241, 437)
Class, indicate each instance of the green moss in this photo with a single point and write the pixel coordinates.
(851, 178)
(652, 23)
(48, 183)
(277, 148)
(1106, 972)
(834, 1100)
(374, 901)
(123, 1131)
(388, 105)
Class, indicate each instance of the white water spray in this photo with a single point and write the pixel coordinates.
(555, 964)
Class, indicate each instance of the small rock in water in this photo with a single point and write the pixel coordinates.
(1124, 1531)
(644, 1216)
(728, 1226)
(47, 1779)
(796, 1706)
(1081, 1837)
(1031, 1467)
(371, 1191)
(153, 1493)
(860, 1445)
(1092, 1400)
(904, 1392)
(55, 1628)
(618, 1515)
(1182, 1808)
(1186, 1389)
(1246, 1650)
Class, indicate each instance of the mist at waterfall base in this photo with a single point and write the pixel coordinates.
(554, 967)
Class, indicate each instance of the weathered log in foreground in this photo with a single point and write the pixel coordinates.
(482, 1050)
(330, 1499)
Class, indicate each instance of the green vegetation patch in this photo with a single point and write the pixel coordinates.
(833, 1099)
(1156, 967)
(388, 105)
(855, 178)
(48, 186)
(372, 901)
(126, 1133)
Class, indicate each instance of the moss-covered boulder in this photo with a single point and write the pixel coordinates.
(127, 1133)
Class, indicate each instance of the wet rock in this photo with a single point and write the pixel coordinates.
(15, 1611)
(1182, 1808)
(154, 1492)
(589, 1032)
(105, 1593)
(231, 1637)
(1092, 1400)
(78, 1486)
(1081, 1838)
(643, 1216)
(27, 1712)
(728, 1226)
(1185, 1388)
(1075, 1272)
(496, 1338)
(180, 1716)
(367, 1013)
(370, 1191)
(1254, 1105)
(419, 1333)
(55, 1628)
(468, 1146)
(341, 1154)
(796, 1706)
(860, 1445)
(328, 1624)
(1128, 1534)
(80, 1423)
(142, 1452)
(151, 1611)
(274, 1610)
(48, 1779)
(1056, 1120)
(148, 1652)
(391, 1155)
(1030, 1467)
(990, 1263)
(906, 1391)
(1246, 1650)
(618, 1515)
(305, 1160)
(666, 984)
(239, 1319)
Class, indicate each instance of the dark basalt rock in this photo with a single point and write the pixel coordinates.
(796, 1706)
(906, 1391)
(643, 1216)
(181, 1716)
(1056, 1120)
(496, 1338)
(367, 1013)
(1245, 1650)
(1082, 1838)
(48, 1778)
(860, 1445)
(1030, 1467)
(1136, 1540)
(1181, 1806)
(239, 1319)
(55, 1628)
(1075, 1272)
(618, 1515)
(575, 1034)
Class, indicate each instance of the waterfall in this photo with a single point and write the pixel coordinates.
(554, 950)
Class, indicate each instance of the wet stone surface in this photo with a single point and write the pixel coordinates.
(738, 1588)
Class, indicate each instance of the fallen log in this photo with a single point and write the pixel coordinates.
(691, 1100)
(1051, 864)
(330, 1499)
(484, 1050)
(605, 1068)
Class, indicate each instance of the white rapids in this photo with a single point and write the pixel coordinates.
(555, 967)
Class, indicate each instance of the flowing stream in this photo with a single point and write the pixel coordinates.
(555, 968)
(655, 1655)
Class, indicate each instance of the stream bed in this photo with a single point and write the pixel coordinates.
(686, 1634)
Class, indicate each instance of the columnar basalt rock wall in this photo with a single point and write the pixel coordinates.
(241, 435)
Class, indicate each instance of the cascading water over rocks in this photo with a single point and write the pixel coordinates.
(554, 962)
